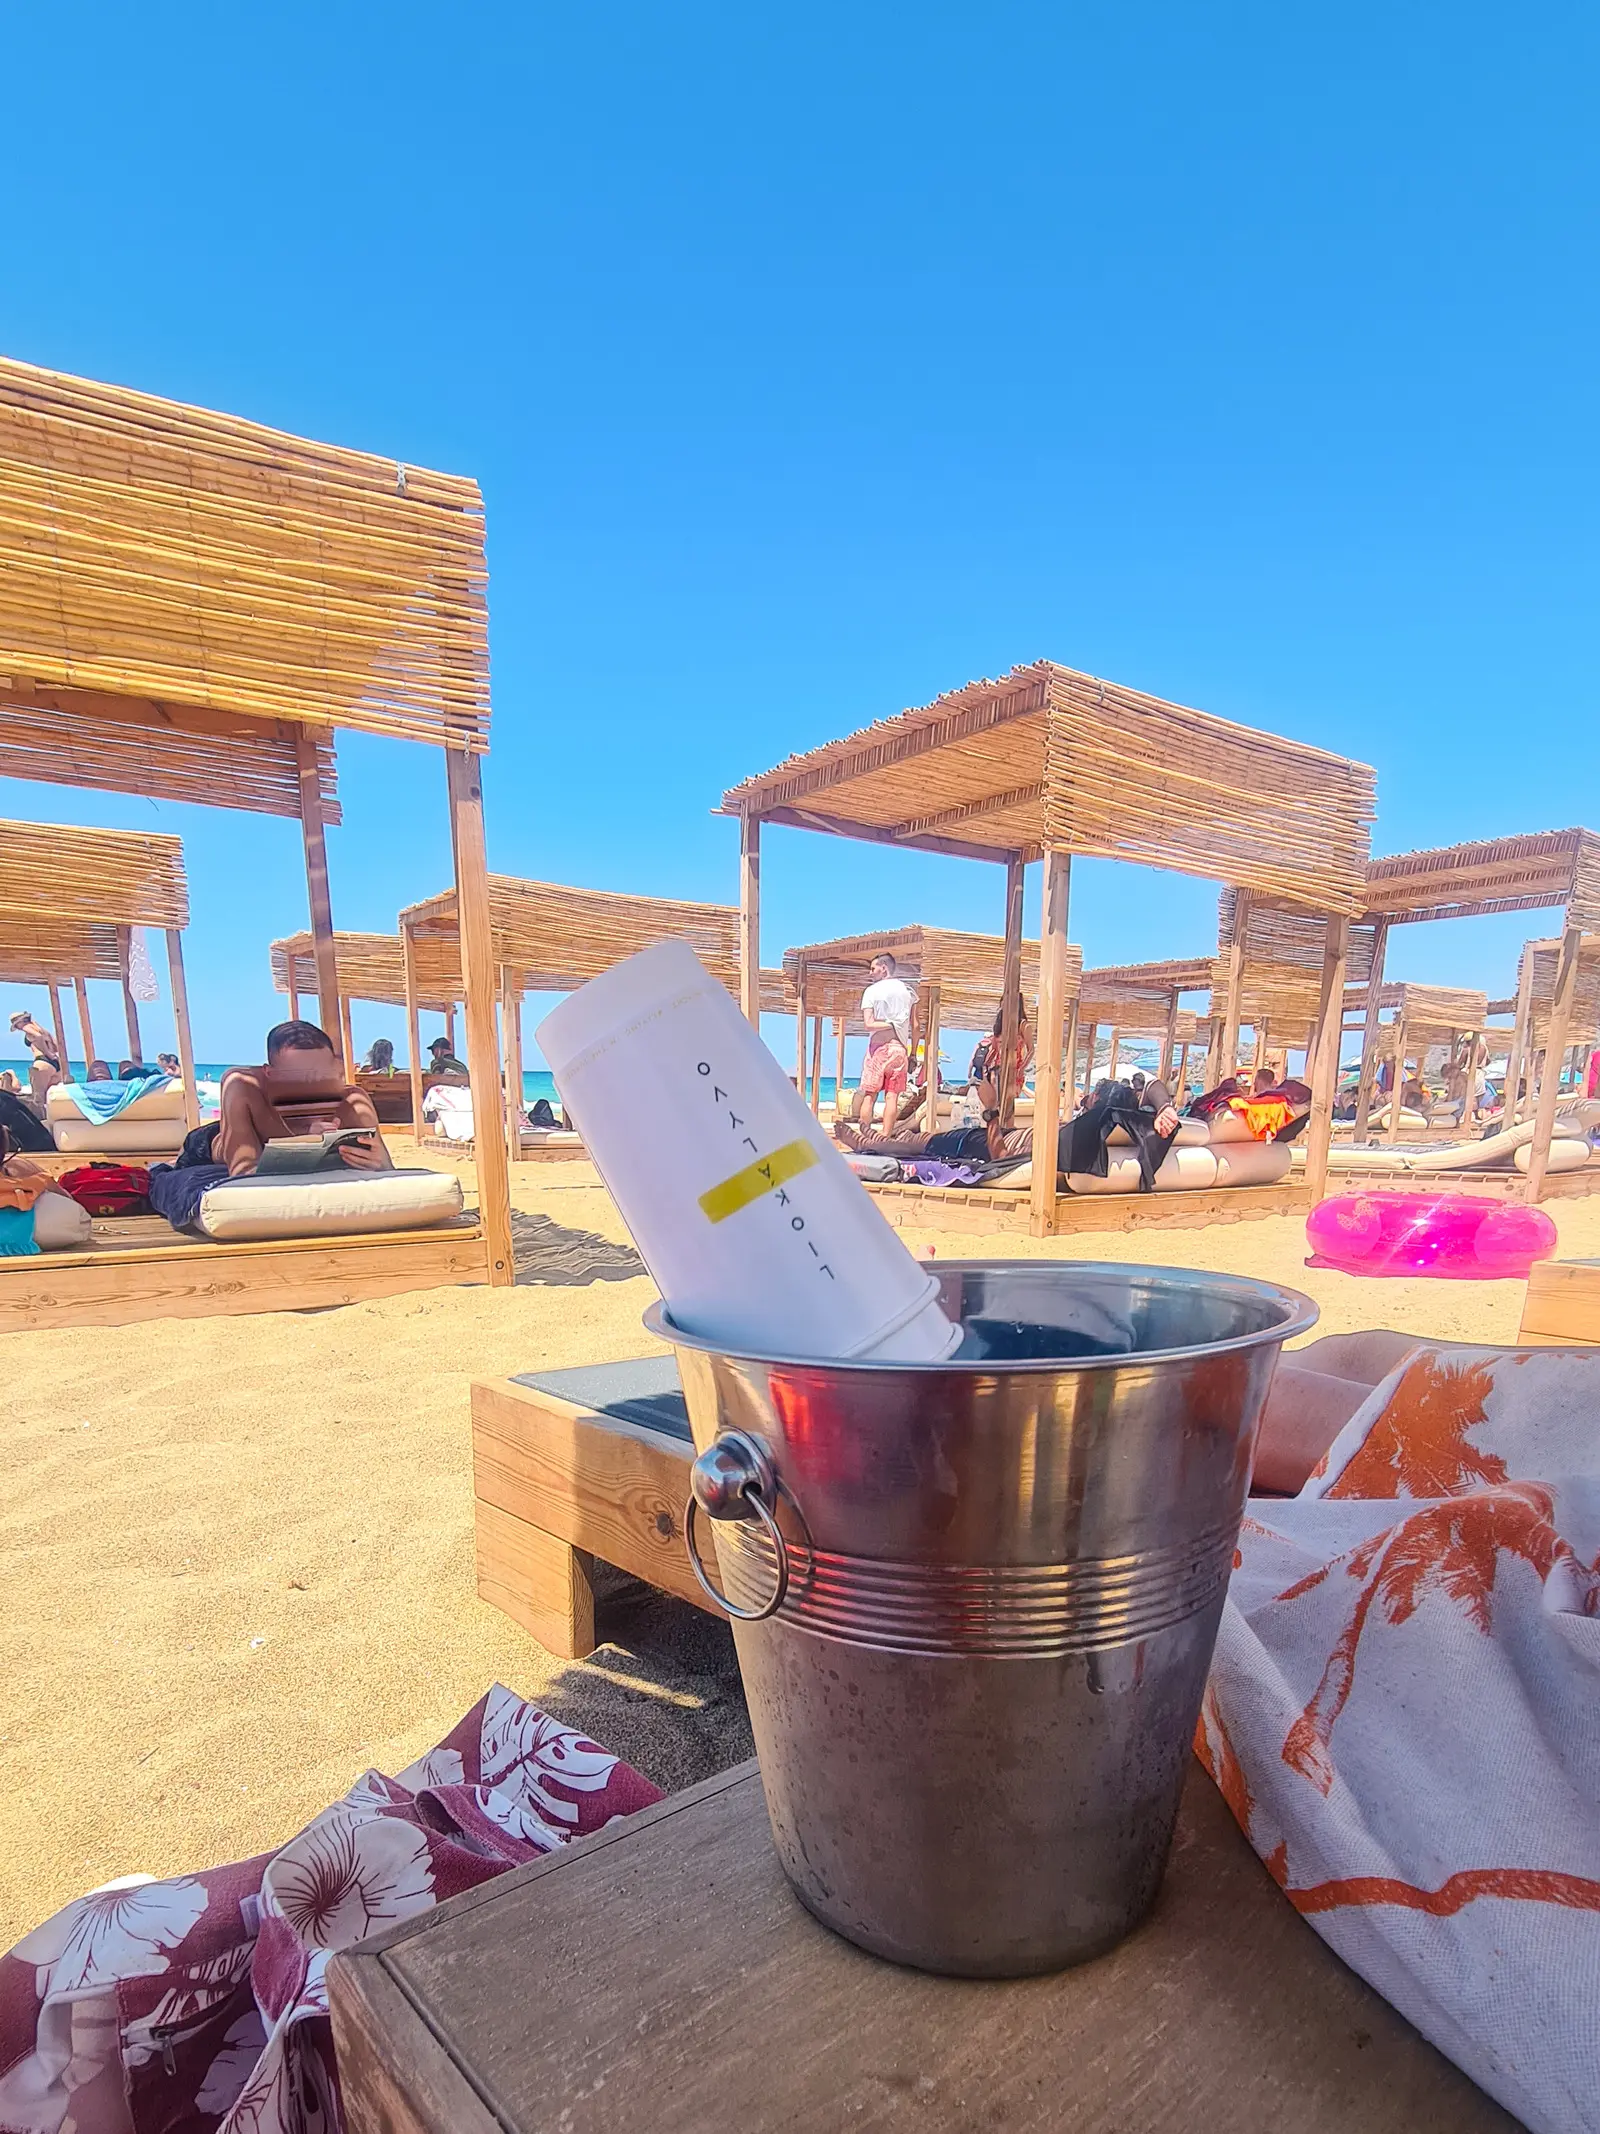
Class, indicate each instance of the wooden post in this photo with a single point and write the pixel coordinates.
(465, 781)
(294, 1003)
(1116, 1046)
(347, 1036)
(816, 1065)
(838, 1065)
(450, 1026)
(130, 1007)
(1169, 1040)
(1325, 1071)
(1090, 1042)
(1180, 1081)
(1228, 1063)
(408, 962)
(1369, 1029)
(930, 1053)
(1069, 1095)
(312, 831)
(799, 1029)
(1010, 986)
(511, 1034)
(180, 1018)
(1469, 1108)
(61, 1034)
(1519, 1038)
(1259, 1058)
(1047, 1071)
(1555, 1051)
(750, 917)
(1392, 1133)
(80, 993)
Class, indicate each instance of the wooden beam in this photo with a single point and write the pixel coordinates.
(1519, 1040)
(1010, 986)
(61, 1032)
(130, 1007)
(1392, 1132)
(930, 1056)
(1325, 1071)
(1091, 1040)
(750, 917)
(874, 834)
(311, 829)
(347, 1036)
(464, 774)
(511, 1037)
(294, 1003)
(408, 964)
(80, 993)
(1180, 1081)
(1116, 1046)
(816, 1065)
(838, 1066)
(1228, 1063)
(1069, 1095)
(1164, 1072)
(1555, 1052)
(1052, 1015)
(1019, 796)
(180, 1018)
(1369, 1028)
(800, 1044)
(450, 1027)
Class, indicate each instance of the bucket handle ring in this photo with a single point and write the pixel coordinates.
(730, 1481)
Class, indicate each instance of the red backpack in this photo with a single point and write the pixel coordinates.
(109, 1188)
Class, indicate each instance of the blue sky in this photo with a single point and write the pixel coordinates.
(814, 361)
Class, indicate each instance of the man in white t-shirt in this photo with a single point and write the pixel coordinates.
(888, 1007)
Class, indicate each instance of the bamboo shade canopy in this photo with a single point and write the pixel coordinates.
(40, 949)
(1532, 873)
(163, 751)
(124, 877)
(967, 968)
(559, 938)
(371, 967)
(1046, 756)
(1138, 996)
(154, 550)
(1430, 1014)
(1283, 952)
(777, 993)
(1545, 956)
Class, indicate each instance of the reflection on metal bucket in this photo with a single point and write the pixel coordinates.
(975, 1601)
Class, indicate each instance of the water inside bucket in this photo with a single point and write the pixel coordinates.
(1093, 1315)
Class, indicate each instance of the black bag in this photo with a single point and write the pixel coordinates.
(24, 1129)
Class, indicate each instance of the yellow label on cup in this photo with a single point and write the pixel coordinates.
(765, 1175)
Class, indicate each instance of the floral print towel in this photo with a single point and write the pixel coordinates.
(199, 2003)
(1404, 1711)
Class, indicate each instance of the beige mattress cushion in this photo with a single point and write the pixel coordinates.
(1186, 1170)
(1253, 1163)
(132, 1131)
(163, 1100)
(1564, 1155)
(340, 1203)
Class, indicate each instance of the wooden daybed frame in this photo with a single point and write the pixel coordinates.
(1047, 762)
(191, 606)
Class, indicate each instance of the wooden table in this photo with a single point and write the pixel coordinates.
(661, 1979)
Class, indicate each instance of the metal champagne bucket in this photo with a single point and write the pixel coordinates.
(975, 1601)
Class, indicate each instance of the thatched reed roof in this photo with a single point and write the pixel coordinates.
(157, 551)
(1533, 873)
(164, 751)
(1046, 756)
(1138, 996)
(1541, 961)
(967, 968)
(1431, 1014)
(37, 949)
(558, 938)
(1283, 953)
(370, 967)
(121, 877)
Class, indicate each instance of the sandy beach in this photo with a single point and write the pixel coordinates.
(236, 1561)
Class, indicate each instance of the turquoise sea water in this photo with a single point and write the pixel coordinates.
(536, 1083)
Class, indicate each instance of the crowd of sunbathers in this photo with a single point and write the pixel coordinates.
(1274, 1106)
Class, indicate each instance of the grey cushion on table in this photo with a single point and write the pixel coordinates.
(643, 1390)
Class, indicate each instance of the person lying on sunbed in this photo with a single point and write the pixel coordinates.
(300, 1090)
(993, 1144)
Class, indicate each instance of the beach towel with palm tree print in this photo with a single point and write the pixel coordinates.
(1404, 1711)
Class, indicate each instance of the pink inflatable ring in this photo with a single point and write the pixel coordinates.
(1459, 1237)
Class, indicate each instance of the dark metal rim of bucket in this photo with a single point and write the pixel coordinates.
(1298, 1315)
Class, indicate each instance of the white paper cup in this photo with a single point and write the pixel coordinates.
(756, 1231)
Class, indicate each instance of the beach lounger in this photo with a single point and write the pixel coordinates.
(1570, 1150)
(150, 1124)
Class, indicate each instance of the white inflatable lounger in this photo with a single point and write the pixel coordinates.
(1428, 1159)
(153, 1122)
(341, 1203)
